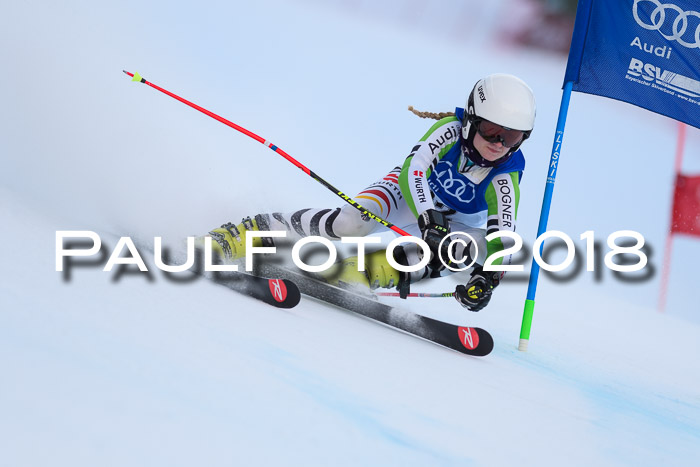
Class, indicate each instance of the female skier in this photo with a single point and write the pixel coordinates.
(462, 176)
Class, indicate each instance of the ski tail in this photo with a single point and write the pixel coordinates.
(281, 293)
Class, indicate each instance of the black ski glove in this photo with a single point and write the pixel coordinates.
(477, 293)
(434, 226)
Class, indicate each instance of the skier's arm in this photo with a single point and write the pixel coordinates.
(502, 197)
(424, 156)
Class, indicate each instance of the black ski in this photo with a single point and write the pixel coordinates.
(276, 291)
(467, 340)
(279, 292)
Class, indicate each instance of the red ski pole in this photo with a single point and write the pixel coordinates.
(136, 77)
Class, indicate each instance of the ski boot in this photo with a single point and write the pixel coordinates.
(378, 273)
(230, 240)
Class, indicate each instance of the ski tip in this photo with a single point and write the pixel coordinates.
(486, 342)
(475, 341)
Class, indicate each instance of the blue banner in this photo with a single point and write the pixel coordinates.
(645, 52)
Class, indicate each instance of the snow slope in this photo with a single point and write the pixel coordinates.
(109, 369)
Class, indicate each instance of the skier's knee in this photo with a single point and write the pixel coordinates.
(351, 224)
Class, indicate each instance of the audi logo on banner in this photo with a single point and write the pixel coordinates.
(679, 26)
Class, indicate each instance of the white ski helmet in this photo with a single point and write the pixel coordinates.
(502, 99)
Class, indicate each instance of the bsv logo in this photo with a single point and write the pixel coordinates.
(663, 80)
(678, 26)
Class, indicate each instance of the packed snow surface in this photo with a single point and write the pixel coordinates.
(110, 368)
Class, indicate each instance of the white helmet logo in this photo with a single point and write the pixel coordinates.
(482, 96)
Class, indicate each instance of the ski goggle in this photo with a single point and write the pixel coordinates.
(494, 133)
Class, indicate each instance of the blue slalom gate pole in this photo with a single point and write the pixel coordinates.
(544, 216)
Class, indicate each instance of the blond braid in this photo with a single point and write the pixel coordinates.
(433, 115)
